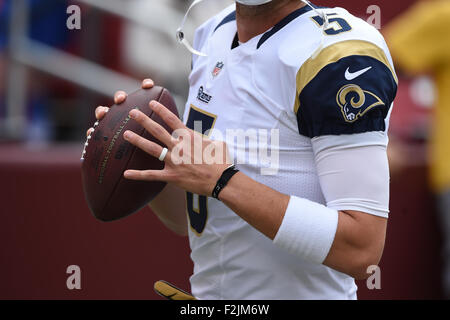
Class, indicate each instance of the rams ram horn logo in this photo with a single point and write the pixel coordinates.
(355, 102)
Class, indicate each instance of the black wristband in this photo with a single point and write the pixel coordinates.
(223, 180)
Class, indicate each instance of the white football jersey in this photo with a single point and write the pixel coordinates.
(268, 84)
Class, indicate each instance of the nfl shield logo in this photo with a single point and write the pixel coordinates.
(217, 69)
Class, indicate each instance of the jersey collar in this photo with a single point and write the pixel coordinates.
(280, 25)
(285, 21)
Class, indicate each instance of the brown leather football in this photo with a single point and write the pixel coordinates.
(107, 155)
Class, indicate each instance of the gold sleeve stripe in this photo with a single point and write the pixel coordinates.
(333, 53)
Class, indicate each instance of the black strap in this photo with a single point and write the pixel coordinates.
(223, 180)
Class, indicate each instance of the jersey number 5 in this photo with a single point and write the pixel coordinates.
(203, 121)
(337, 25)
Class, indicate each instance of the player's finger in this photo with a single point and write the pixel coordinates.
(89, 131)
(154, 128)
(147, 84)
(147, 146)
(100, 112)
(120, 96)
(168, 117)
(146, 175)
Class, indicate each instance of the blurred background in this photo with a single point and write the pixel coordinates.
(55, 70)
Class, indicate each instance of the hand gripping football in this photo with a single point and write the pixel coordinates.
(107, 155)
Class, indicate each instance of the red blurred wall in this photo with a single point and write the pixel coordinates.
(46, 226)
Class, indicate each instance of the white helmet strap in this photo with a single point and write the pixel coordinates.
(180, 34)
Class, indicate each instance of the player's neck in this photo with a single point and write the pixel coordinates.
(254, 20)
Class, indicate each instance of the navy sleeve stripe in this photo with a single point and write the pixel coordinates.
(351, 95)
(311, 67)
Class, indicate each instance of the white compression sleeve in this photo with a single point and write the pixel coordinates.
(354, 172)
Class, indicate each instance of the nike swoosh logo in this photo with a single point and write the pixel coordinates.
(353, 75)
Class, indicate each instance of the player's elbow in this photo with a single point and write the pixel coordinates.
(361, 261)
(360, 244)
(357, 260)
(361, 271)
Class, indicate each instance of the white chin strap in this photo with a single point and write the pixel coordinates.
(181, 39)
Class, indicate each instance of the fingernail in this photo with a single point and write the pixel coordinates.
(133, 114)
(148, 82)
(126, 135)
(152, 104)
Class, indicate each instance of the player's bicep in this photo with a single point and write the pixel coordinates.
(353, 172)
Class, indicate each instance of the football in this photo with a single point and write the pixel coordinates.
(107, 155)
